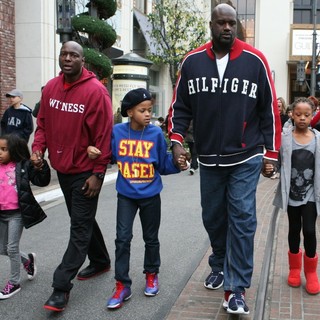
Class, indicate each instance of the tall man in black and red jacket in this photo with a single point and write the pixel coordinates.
(226, 87)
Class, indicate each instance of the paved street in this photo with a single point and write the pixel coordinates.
(184, 252)
(183, 244)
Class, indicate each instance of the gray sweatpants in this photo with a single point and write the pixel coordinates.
(11, 227)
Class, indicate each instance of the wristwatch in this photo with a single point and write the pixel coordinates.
(99, 175)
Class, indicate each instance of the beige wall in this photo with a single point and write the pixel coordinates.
(35, 46)
(273, 19)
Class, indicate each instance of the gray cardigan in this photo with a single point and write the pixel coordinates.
(281, 198)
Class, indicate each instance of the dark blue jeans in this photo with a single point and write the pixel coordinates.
(85, 234)
(150, 216)
(228, 200)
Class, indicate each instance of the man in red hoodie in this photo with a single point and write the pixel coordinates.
(76, 112)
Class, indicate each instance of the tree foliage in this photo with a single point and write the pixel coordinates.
(100, 35)
(177, 27)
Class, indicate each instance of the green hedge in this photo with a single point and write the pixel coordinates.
(105, 8)
(99, 30)
(99, 61)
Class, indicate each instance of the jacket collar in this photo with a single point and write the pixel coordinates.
(235, 50)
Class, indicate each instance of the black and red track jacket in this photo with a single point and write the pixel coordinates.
(234, 120)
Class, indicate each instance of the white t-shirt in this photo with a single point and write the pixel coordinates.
(222, 64)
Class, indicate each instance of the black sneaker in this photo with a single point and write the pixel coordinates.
(30, 266)
(9, 290)
(57, 301)
(92, 271)
(214, 280)
(237, 304)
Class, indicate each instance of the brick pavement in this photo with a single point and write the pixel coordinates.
(282, 302)
(286, 302)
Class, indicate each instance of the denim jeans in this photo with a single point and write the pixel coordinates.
(150, 216)
(11, 227)
(228, 200)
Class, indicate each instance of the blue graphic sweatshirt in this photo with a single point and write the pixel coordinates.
(142, 158)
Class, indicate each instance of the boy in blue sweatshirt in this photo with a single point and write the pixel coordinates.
(140, 150)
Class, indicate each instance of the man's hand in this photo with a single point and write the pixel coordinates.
(93, 152)
(180, 156)
(183, 163)
(92, 186)
(269, 168)
(37, 159)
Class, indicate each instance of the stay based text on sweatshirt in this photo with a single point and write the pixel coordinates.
(142, 158)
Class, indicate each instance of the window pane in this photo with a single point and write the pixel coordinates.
(306, 2)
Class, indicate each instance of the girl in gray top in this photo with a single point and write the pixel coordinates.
(298, 193)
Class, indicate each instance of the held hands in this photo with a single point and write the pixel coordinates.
(180, 157)
(269, 168)
(37, 159)
(93, 152)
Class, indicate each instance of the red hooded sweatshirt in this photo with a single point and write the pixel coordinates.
(70, 119)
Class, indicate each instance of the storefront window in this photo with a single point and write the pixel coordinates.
(302, 12)
(246, 15)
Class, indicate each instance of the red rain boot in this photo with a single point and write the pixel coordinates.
(310, 272)
(295, 263)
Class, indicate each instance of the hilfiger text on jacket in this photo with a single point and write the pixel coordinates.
(233, 85)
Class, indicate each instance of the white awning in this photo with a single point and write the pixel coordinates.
(146, 28)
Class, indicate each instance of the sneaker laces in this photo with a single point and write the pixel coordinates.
(150, 279)
(27, 266)
(118, 289)
(239, 299)
(7, 288)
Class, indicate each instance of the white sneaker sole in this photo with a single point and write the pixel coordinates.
(239, 311)
(148, 294)
(7, 296)
(119, 305)
(209, 286)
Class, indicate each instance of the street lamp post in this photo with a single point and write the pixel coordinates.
(314, 49)
(65, 11)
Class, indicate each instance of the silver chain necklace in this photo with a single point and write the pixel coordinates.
(135, 160)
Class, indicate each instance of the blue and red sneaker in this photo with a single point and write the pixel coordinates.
(152, 284)
(121, 293)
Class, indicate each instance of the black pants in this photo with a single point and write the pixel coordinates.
(303, 217)
(85, 235)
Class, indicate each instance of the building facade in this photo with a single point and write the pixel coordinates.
(29, 44)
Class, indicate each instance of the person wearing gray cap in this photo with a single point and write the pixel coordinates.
(17, 119)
